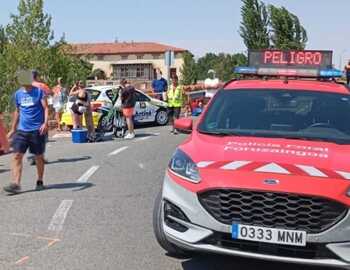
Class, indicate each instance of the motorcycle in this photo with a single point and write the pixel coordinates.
(112, 120)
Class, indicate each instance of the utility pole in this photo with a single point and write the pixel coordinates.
(341, 59)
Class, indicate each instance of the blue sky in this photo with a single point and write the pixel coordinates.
(198, 25)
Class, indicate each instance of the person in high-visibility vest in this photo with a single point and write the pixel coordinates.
(347, 73)
(175, 101)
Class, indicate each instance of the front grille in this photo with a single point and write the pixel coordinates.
(310, 251)
(275, 210)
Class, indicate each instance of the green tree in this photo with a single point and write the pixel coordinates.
(255, 24)
(27, 42)
(204, 64)
(223, 65)
(286, 30)
(188, 70)
(3, 40)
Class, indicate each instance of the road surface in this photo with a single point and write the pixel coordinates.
(97, 210)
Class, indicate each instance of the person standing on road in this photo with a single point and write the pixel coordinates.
(79, 106)
(160, 86)
(48, 92)
(128, 104)
(29, 129)
(175, 101)
(347, 73)
(58, 102)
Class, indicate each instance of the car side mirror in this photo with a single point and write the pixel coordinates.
(184, 125)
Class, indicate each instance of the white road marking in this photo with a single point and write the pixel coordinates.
(147, 137)
(119, 150)
(85, 177)
(142, 166)
(143, 138)
(60, 215)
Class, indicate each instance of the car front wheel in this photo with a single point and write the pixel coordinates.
(162, 117)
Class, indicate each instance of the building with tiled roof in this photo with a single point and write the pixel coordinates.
(134, 61)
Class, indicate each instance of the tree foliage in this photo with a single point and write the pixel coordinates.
(28, 42)
(255, 24)
(286, 29)
(188, 70)
(223, 65)
(270, 27)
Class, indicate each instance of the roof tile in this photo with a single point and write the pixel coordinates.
(121, 48)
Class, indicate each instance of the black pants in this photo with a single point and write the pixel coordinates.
(348, 79)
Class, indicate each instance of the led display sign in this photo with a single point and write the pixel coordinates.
(290, 59)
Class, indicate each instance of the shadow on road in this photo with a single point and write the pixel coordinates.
(142, 135)
(69, 160)
(218, 262)
(73, 186)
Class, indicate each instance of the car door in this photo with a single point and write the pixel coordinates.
(145, 112)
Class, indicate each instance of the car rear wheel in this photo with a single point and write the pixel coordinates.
(162, 117)
(172, 249)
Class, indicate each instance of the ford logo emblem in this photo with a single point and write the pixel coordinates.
(271, 182)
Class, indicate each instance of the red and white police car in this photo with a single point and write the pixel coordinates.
(265, 172)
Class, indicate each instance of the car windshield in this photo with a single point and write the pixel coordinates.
(294, 114)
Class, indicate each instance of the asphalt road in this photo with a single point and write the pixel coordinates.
(97, 210)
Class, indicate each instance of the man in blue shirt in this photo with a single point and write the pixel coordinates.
(160, 85)
(29, 128)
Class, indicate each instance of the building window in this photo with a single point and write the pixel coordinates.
(124, 57)
(140, 56)
(133, 71)
(157, 56)
(100, 57)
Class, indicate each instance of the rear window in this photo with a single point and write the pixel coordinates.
(280, 113)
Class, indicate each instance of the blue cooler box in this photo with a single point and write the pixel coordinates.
(79, 135)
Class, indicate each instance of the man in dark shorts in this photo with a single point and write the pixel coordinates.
(29, 128)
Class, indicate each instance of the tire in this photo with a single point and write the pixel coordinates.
(162, 117)
(172, 249)
(101, 126)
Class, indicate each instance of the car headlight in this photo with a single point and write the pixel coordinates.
(182, 165)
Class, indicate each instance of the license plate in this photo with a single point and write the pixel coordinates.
(269, 235)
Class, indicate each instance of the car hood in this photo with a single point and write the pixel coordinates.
(158, 102)
(297, 166)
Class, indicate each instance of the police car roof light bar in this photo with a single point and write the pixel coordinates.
(289, 72)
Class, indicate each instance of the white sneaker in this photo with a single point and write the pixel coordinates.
(130, 136)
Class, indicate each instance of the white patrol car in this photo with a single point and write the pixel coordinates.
(150, 110)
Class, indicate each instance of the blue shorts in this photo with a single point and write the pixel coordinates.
(32, 140)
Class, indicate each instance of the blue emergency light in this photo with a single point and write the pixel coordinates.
(292, 72)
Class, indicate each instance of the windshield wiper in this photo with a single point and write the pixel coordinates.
(219, 133)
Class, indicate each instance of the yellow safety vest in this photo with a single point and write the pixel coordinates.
(175, 97)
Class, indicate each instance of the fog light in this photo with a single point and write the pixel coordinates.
(171, 211)
(174, 211)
